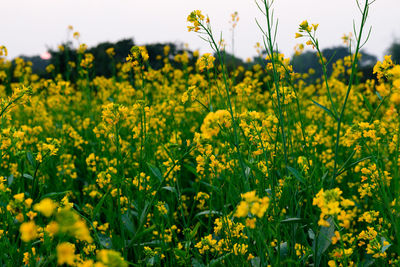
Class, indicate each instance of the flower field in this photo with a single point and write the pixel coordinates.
(201, 165)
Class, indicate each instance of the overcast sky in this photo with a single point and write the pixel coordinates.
(31, 26)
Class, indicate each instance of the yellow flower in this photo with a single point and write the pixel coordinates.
(70, 223)
(253, 204)
(161, 208)
(19, 197)
(249, 196)
(52, 228)
(207, 243)
(240, 249)
(66, 253)
(251, 223)
(382, 90)
(3, 51)
(110, 52)
(45, 207)
(166, 49)
(82, 48)
(111, 258)
(347, 38)
(205, 62)
(304, 26)
(28, 202)
(28, 231)
(196, 18)
(214, 121)
(242, 209)
(395, 98)
(185, 97)
(87, 61)
(298, 35)
(76, 35)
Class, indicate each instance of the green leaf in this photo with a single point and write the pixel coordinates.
(324, 176)
(208, 212)
(368, 104)
(156, 172)
(213, 187)
(179, 252)
(368, 261)
(150, 243)
(196, 263)
(127, 222)
(190, 169)
(143, 215)
(379, 95)
(153, 261)
(384, 248)
(311, 234)
(292, 220)
(145, 231)
(284, 250)
(254, 168)
(54, 194)
(105, 241)
(323, 240)
(31, 159)
(296, 174)
(98, 206)
(247, 172)
(216, 261)
(194, 231)
(330, 113)
(10, 179)
(169, 188)
(27, 176)
(255, 262)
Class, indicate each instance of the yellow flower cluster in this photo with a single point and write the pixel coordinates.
(307, 30)
(70, 223)
(214, 122)
(3, 51)
(46, 206)
(205, 62)
(113, 113)
(229, 237)
(138, 55)
(87, 61)
(196, 19)
(252, 204)
(331, 203)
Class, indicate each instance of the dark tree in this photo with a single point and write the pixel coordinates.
(394, 50)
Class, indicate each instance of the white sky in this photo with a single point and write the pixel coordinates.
(30, 26)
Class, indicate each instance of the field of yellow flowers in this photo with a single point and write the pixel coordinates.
(201, 166)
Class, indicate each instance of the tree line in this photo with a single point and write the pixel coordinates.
(301, 63)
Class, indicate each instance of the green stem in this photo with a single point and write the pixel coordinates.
(234, 122)
(270, 51)
(353, 74)
(325, 74)
(119, 182)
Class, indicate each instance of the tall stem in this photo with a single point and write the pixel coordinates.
(234, 121)
(352, 76)
(271, 52)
